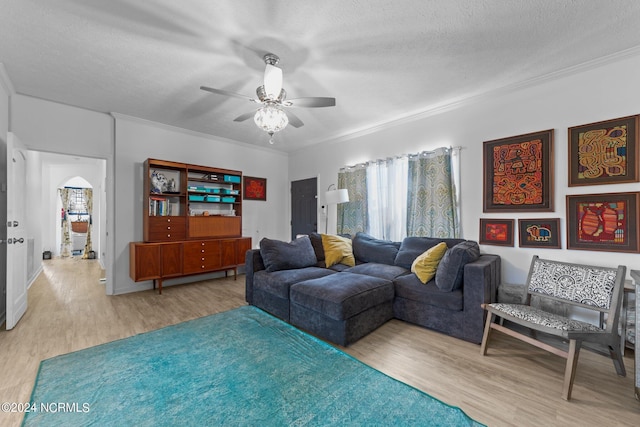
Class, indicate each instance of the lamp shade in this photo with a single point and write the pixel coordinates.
(334, 197)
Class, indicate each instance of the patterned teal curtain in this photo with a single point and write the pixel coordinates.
(432, 209)
(353, 215)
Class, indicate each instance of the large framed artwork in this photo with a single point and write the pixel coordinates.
(539, 233)
(603, 222)
(254, 188)
(604, 152)
(496, 232)
(518, 173)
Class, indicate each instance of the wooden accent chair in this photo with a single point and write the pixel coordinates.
(597, 289)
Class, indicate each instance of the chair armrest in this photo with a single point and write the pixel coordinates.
(253, 263)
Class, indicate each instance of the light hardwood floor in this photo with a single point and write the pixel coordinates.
(515, 385)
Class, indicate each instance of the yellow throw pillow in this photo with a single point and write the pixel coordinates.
(425, 265)
(337, 250)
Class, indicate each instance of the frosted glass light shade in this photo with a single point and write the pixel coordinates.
(271, 119)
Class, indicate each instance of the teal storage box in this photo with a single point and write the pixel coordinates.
(196, 198)
(232, 178)
(228, 199)
(228, 191)
(213, 198)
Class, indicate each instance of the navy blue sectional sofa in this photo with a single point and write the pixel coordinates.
(342, 304)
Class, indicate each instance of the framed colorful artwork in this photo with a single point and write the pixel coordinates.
(496, 232)
(539, 233)
(604, 152)
(254, 188)
(603, 222)
(518, 173)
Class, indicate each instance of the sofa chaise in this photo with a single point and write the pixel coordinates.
(371, 284)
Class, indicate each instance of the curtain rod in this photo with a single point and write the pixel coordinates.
(363, 164)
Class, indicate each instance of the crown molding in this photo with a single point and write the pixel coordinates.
(459, 103)
(164, 126)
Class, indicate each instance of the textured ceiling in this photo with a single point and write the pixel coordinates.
(382, 60)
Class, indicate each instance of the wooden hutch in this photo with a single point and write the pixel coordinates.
(192, 222)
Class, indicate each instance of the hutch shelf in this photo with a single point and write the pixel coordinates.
(192, 222)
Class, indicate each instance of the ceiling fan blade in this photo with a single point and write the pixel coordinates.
(245, 116)
(311, 102)
(294, 120)
(227, 93)
(272, 81)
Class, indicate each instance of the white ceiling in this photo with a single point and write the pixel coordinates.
(382, 60)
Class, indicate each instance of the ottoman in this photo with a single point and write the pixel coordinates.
(342, 307)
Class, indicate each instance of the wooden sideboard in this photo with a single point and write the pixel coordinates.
(164, 260)
(191, 222)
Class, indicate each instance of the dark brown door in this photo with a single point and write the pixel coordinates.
(304, 206)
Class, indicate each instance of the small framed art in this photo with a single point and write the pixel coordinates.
(254, 188)
(604, 152)
(496, 232)
(518, 173)
(603, 222)
(539, 233)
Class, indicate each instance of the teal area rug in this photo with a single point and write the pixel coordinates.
(241, 367)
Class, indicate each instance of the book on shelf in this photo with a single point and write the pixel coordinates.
(160, 206)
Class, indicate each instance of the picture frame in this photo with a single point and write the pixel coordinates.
(603, 222)
(496, 232)
(539, 233)
(254, 188)
(604, 152)
(518, 173)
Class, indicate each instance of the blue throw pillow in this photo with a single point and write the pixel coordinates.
(367, 248)
(278, 255)
(451, 267)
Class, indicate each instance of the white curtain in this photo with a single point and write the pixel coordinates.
(65, 195)
(387, 198)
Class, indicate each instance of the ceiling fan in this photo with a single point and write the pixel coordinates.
(271, 117)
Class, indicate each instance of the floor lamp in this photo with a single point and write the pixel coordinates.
(334, 197)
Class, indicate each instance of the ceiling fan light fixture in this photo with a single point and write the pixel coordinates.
(271, 118)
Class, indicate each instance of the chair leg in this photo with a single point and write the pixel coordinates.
(487, 332)
(618, 361)
(570, 369)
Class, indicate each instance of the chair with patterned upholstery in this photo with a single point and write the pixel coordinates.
(580, 287)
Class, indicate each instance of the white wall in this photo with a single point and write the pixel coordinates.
(137, 140)
(599, 93)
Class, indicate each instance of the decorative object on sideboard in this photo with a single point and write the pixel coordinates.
(518, 173)
(159, 182)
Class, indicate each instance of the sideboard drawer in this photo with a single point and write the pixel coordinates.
(164, 228)
(202, 256)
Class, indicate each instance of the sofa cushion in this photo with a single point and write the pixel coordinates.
(337, 250)
(343, 295)
(383, 271)
(409, 287)
(366, 248)
(278, 255)
(316, 242)
(426, 264)
(278, 282)
(451, 267)
(412, 247)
